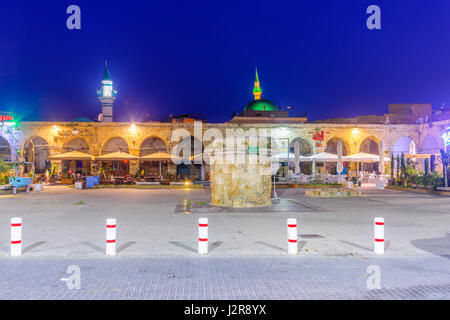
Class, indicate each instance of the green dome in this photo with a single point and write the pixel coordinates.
(261, 105)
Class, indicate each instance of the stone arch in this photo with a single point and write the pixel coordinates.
(189, 142)
(76, 144)
(114, 144)
(193, 170)
(331, 146)
(305, 146)
(116, 168)
(370, 145)
(306, 150)
(78, 166)
(5, 149)
(430, 145)
(403, 144)
(152, 145)
(37, 150)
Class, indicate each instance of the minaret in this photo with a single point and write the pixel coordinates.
(107, 95)
(257, 89)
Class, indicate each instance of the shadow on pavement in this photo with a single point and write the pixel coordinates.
(125, 246)
(387, 243)
(183, 246)
(436, 246)
(215, 245)
(93, 246)
(33, 246)
(268, 245)
(355, 245)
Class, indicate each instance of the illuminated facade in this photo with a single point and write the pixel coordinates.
(406, 128)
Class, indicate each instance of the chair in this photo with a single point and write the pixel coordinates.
(293, 177)
(372, 178)
(303, 179)
(341, 178)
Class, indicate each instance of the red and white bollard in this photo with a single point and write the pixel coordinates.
(292, 236)
(203, 235)
(378, 241)
(16, 237)
(110, 237)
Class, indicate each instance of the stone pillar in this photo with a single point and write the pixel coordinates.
(202, 171)
(313, 172)
(134, 167)
(297, 153)
(241, 184)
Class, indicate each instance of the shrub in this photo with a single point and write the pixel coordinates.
(436, 180)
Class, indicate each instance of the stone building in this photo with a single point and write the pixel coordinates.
(405, 128)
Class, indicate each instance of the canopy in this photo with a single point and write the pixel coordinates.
(117, 156)
(322, 157)
(159, 156)
(364, 157)
(72, 155)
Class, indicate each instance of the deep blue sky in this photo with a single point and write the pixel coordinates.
(199, 56)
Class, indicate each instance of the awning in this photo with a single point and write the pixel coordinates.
(72, 155)
(117, 156)
(322, 157)
(158, 156)
(364, 157)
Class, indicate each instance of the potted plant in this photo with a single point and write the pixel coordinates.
(67, 178)
(355, 182)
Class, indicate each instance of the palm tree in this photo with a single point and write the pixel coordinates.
(445, 159)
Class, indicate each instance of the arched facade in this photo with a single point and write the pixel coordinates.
(305, 147)
(76, 144)
(37, 150)
(5, 149)
(370, 145)
(56, 137)
(430, 145)
(405, 145)
(152, 145)
(115, 144)
(331, 146)
(155, 168)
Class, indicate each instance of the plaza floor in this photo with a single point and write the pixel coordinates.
(157, 249)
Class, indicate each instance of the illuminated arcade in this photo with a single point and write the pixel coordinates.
(143, 150)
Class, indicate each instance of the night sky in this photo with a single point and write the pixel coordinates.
(200, 57)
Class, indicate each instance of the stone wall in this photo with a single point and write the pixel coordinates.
(240, 185)
(96, 135)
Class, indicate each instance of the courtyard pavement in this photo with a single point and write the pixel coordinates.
(157, 249)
